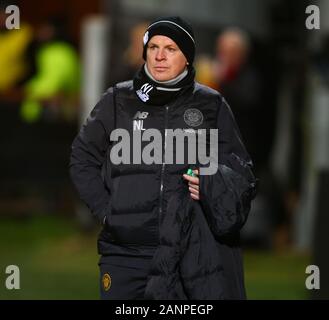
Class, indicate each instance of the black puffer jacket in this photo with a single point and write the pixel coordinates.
(190, 262)
(135, 198)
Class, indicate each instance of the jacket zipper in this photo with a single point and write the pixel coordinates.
(163, 163)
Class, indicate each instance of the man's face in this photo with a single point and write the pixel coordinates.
(164, 59)
(231, 50)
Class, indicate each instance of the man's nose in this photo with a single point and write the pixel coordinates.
(160, 55)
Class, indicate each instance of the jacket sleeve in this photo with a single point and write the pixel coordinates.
(88, 153)
(226, 195)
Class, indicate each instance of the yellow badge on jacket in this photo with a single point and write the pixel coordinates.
(106, 281)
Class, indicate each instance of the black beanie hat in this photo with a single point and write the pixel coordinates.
(176, 29)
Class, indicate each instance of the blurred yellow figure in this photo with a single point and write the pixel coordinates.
(13, 44)
(58, 73)
(55, 86)
(205, 73)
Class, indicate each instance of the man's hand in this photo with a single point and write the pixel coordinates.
(193, 183)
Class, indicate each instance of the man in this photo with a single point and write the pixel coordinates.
(240, 81)
(136, 201)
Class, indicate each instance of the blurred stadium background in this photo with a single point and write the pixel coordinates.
(66, 53)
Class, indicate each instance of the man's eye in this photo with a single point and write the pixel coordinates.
(171, 49)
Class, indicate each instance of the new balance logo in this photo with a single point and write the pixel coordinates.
(141, 115)
(144, 91)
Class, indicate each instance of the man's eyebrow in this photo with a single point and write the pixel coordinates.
(170, 45)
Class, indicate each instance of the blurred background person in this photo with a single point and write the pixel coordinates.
(53, 89)
(240, 81)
